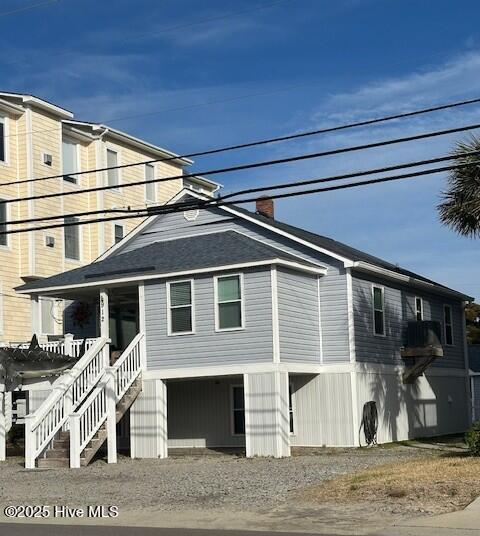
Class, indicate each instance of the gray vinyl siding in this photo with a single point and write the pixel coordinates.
(475, 386)
(333, 286)
(298, 317)
(334, 318)
(399, 309)
(206, 346)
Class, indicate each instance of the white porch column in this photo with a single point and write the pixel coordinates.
(111, 415)
(148, 421)
(267, 421)
(105, 323)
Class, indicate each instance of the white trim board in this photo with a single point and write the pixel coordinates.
(212, 269)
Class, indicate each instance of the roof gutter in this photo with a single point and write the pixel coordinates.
(363, 266)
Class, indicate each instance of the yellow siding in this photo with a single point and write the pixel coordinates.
(36, 132)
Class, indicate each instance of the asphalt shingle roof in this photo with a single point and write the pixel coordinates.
(339, 248)
(183, 254)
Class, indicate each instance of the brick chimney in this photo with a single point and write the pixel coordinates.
(264, 207)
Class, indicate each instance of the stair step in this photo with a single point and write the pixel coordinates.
(64, 435)
(61, 443)
(51, 463)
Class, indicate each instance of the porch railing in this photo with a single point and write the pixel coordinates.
(69, 391)
(67, 346)
(100, 406)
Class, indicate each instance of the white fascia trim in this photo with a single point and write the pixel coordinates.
(389, 274)
(44, 105)
(11, 109)
(167, 275)
(275, 315)
(77, 134)
(351, 317)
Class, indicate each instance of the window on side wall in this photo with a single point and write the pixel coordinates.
(3, 142)
(378, 310)
(229, 307)
(3, 225)
(112, 174)
(447, 325)
(118, 233)
(238, 410)
(418, 308)
(47, 316)
(71, 237)
(150, 187)
(70, 160)
(180, 305)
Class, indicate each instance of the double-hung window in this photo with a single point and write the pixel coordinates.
(447, 325)
(71, 237)
(3, 142)
(378, 310)
(150, 187)
(113, 178)
(70, 160)
(180, 307)
(3, 224)
(418, 309)
(229, 306)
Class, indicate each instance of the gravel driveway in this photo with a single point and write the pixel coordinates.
(188, 482)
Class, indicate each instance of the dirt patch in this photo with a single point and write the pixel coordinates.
(422, 485)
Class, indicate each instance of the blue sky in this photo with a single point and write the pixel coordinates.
(190, 75)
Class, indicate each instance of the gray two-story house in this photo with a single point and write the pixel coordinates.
(222, 327)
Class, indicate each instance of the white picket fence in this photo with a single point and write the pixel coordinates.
(100, 406)
(69, 391)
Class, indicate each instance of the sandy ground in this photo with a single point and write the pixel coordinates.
(225, 492)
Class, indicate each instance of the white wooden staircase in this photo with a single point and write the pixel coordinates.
(84, 408)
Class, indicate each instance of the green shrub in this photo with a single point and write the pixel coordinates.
(472, 439)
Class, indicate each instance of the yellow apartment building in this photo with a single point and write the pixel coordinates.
(40, 139)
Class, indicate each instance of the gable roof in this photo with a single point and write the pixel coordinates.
(173, 257)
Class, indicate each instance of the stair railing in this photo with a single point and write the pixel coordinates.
(100, 406)
(68, 393)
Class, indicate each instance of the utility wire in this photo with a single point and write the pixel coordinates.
(241, 167)
(177, 207)
(366, 122)
(295, 184)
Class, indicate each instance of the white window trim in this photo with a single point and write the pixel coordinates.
(445, 307)
(8, 245)
(421, 307)
(80, 246)
(216, 303)
(114, 149)
(150, 201)
(43, 154)
(382, 288)
(169, 308)
(78, 178)
(116, 224)
(6, 133)
(233, 386)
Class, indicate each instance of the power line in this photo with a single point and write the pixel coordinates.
(295, 184)
(233, 168)
(177, 207)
